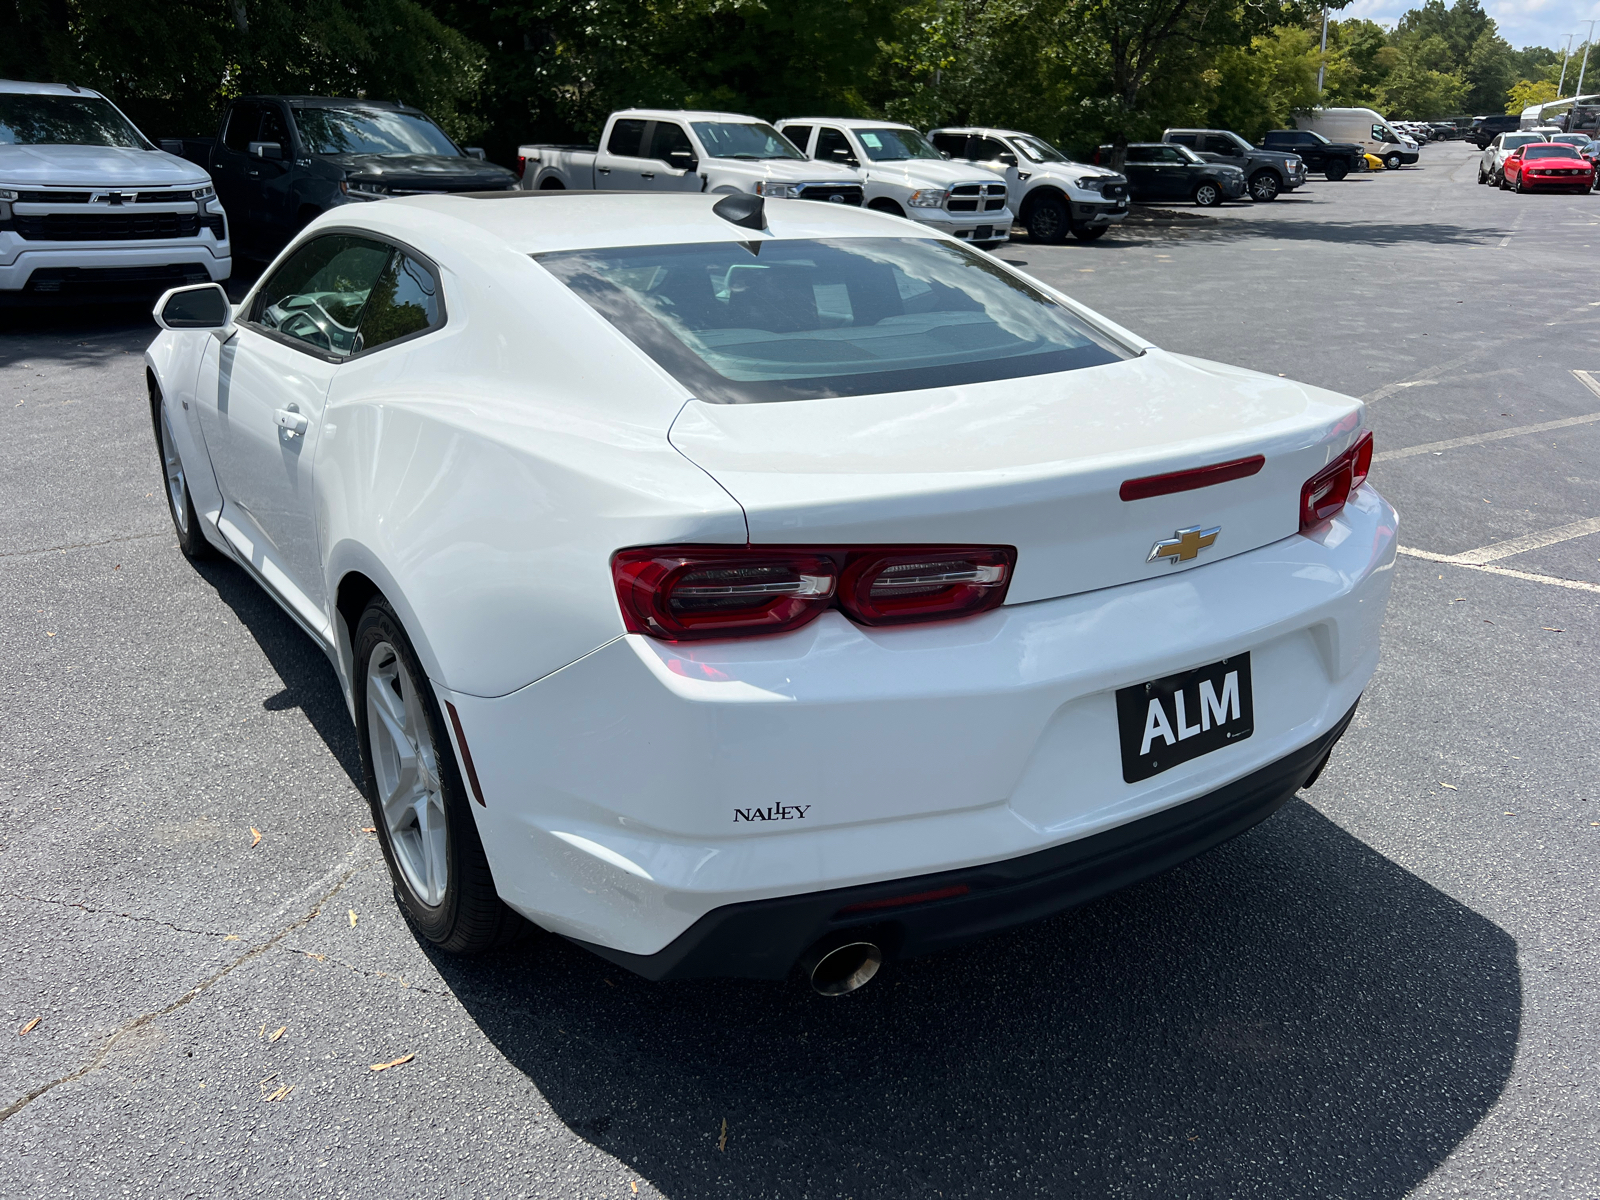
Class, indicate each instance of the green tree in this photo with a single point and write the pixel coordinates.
(1530, 91)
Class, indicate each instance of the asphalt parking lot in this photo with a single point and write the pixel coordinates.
(1388, 989)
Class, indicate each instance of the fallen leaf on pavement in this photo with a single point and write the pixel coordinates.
(1551, 629)
(30, 1026)
(1459, 600)
(1451, 786)
(722, 1142)
(278, 1033)
(352, 918)
(232, 937)
(404, 1058)
(369, 829)
(634, 1186)
(281, 1093)
(255, 837)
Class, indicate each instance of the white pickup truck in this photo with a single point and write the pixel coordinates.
(663, 150)
(1053, 195)
(906, 176)
(90, 209)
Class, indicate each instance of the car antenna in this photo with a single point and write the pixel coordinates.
(74, 87)
(743, 209)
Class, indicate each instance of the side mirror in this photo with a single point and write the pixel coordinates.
(477, 153)
(1009, 159)
(272, 150)
(683, 160)
(198, 306)
(842, 155)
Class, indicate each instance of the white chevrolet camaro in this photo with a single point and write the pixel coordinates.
(730, 587)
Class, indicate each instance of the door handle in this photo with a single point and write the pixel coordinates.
(603, 170)
(291, 422)
(647, 174)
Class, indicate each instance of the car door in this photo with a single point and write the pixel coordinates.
(261, 399)
(1143, 172)
(1216, 148)
(273, 179)
(996, 156)
(1513, 167)
(230, 162)
(834, 147)
(1312, 151)
(673, 154)
(622, 163)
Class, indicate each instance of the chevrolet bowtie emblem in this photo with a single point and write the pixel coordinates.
(1185, 546)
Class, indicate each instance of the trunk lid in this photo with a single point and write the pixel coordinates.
(1036, 463)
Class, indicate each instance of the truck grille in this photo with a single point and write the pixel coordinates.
(109, 226)
(183, 196)
(973, 197)
(851, 193)
(114, 281)
(1114, 191)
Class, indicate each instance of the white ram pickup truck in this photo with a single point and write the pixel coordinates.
(906, 176)
(664, 150)
(1053, 195)
(90, 209)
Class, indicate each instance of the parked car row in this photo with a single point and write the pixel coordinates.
(1529, 160)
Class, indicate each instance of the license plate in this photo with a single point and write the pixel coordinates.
(1172, 720)
(983, 233)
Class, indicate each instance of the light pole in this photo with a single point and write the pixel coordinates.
(1585, 62)
(1322, 64)
(1564, 58)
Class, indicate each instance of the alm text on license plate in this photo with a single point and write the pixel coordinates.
(1169, 721)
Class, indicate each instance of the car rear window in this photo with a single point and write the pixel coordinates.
(802, 319)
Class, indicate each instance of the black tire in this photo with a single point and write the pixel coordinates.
(1207, 195)
(1391, 163)
(1048, 221)
(175, 482)
(470, 916)
(1335, 171)
(883, 205)
(1089, 233)
(1517, 186)
(1483, 176)
(552, 184)
(1265, 186)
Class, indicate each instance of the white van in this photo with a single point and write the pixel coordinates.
(1366, 128)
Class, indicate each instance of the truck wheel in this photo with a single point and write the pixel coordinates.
(1392, 162)
(1264, 185)
(552, 184)
(1207, 195)
(1048, 221)
(1336, 171)
(887, 206)
(1089, 233)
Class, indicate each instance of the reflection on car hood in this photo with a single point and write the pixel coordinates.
(789, 170)
(433, 167)
(103, 166)
(937, 171)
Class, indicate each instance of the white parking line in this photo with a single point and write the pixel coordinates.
(1479, 438)
(1452, 560)
(1532, 541)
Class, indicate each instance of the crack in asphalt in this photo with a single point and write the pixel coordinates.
(111, 912)
(370, 974)
(132, 537)
(192, 994)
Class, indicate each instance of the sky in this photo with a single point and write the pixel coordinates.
(1521, 22)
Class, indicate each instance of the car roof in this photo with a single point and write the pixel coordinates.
(23, 87)
(541, 222)
(337, 102)
(688, 114)
(848, 122)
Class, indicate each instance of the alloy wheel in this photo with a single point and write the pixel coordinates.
(177, 486)
(406, 770)
(1205, 195)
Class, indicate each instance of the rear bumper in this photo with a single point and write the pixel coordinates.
(928, 913)
(648, 784)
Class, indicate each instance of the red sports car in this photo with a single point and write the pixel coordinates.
(1548, 165)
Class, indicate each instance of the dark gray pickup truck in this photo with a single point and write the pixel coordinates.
(278, 161)
(1268, 173)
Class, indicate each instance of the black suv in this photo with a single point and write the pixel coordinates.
(1161, 171)
(1334, 159)
(1268, 173)
(278, 161)
(1486, 129)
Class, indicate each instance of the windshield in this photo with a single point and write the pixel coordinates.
(847, 317)
(1038, 149)
(33, 120)
(895, 145)
(370, 131)
(1512, 140)
(1549, 151)
(741, 139)
(1188, 154)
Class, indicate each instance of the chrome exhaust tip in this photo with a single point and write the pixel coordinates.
(845, 968)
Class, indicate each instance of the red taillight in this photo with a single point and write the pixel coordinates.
(1326, 492)
(681, 593)
(522, 165)
(1193, 478)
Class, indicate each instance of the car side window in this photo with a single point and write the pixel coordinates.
(833, 146)
(404, 301)
(244, 120)
(669, 139)
(1221, 145)
(1172, 156)
(986, 149)
(953, 145)
(1184, 139)
(625, 138)
(798, 134)
(1141, 154)
(273, 129)
(316, 297)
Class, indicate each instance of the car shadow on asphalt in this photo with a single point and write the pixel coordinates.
(309, 683)
(1292, 1015)
(73, 334)
(1354, 233)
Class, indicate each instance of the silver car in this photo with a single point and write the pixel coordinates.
(1492, 164)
